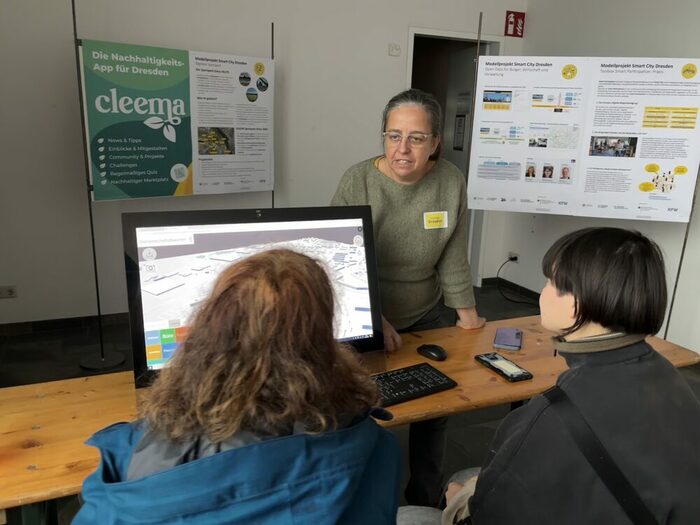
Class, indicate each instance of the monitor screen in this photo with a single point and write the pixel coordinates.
(173, 258)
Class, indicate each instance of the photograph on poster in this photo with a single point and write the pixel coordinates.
(251, 94)
(216, 141)
(498, 96)
(547, 171)
(537, 142)
(530, 171)
(613, 146)
(499, 100)
(565, 173)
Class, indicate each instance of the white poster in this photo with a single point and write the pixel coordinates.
(599, 137)
(232, 108)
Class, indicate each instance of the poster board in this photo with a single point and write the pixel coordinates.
(594, 137)
(168, 122)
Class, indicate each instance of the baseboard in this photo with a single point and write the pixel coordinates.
(494, 281)
(33, 327)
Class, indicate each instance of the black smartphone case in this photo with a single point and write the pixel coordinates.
(524, 376)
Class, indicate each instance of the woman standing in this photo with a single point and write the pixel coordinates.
(419, 213)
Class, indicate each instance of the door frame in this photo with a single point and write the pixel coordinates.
(476, 247)
(451, 35)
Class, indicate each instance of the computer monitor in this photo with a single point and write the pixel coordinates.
(173, 258)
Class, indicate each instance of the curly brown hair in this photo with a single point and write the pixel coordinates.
(260, 356)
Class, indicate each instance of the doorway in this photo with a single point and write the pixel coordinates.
(444, 64)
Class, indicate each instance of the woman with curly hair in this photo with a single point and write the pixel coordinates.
(260, 417)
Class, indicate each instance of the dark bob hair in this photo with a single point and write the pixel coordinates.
(617, 277)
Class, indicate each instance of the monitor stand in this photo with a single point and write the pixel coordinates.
(373, 362)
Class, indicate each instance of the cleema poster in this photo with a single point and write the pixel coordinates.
(167, 122)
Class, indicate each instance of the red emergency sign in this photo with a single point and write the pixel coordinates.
(515, 24)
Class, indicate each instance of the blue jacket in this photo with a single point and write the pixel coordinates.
(347, 476)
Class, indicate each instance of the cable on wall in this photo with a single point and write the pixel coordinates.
(500, 290)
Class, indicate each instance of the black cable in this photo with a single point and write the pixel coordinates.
(498, 285)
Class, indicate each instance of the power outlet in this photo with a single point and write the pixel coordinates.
(394, 50)
(8, 292)
(512, 256)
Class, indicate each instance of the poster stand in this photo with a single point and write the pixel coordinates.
(272, 57)
(680, 261)
(106, 359)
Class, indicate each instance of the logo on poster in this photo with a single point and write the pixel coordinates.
(569, 71)
(171, 110)
(689, 71)
(113, 103)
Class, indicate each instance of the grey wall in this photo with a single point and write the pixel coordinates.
(333, 76)
(335, 50)
(604, 28)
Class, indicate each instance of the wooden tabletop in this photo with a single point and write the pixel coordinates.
(43, 427)
(479, 387)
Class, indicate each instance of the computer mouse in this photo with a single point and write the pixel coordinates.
(434, 352)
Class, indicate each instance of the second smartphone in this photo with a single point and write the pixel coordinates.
(504, 367)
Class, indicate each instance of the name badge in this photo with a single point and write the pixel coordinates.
(435, 219)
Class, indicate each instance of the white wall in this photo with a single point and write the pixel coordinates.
(44, 232)
(333, 77)
(335, 50)
(604, 28)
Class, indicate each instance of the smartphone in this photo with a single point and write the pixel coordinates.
(508, 339)
(503, 366)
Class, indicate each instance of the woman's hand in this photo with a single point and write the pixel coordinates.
(392, 339)
(469, 319)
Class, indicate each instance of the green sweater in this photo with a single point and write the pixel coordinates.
(417, 265)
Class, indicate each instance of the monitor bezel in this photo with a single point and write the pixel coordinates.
(143, 376)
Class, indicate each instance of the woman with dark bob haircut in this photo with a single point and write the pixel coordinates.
(260, 417)
(605, 293)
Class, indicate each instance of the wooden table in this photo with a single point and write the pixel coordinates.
(478, 387)
(43, 426)
(42, 430)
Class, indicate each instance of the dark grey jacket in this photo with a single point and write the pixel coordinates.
(641, 409)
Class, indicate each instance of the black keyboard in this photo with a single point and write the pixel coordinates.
(411, 382)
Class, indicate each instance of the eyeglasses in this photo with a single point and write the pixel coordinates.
(414, 139)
